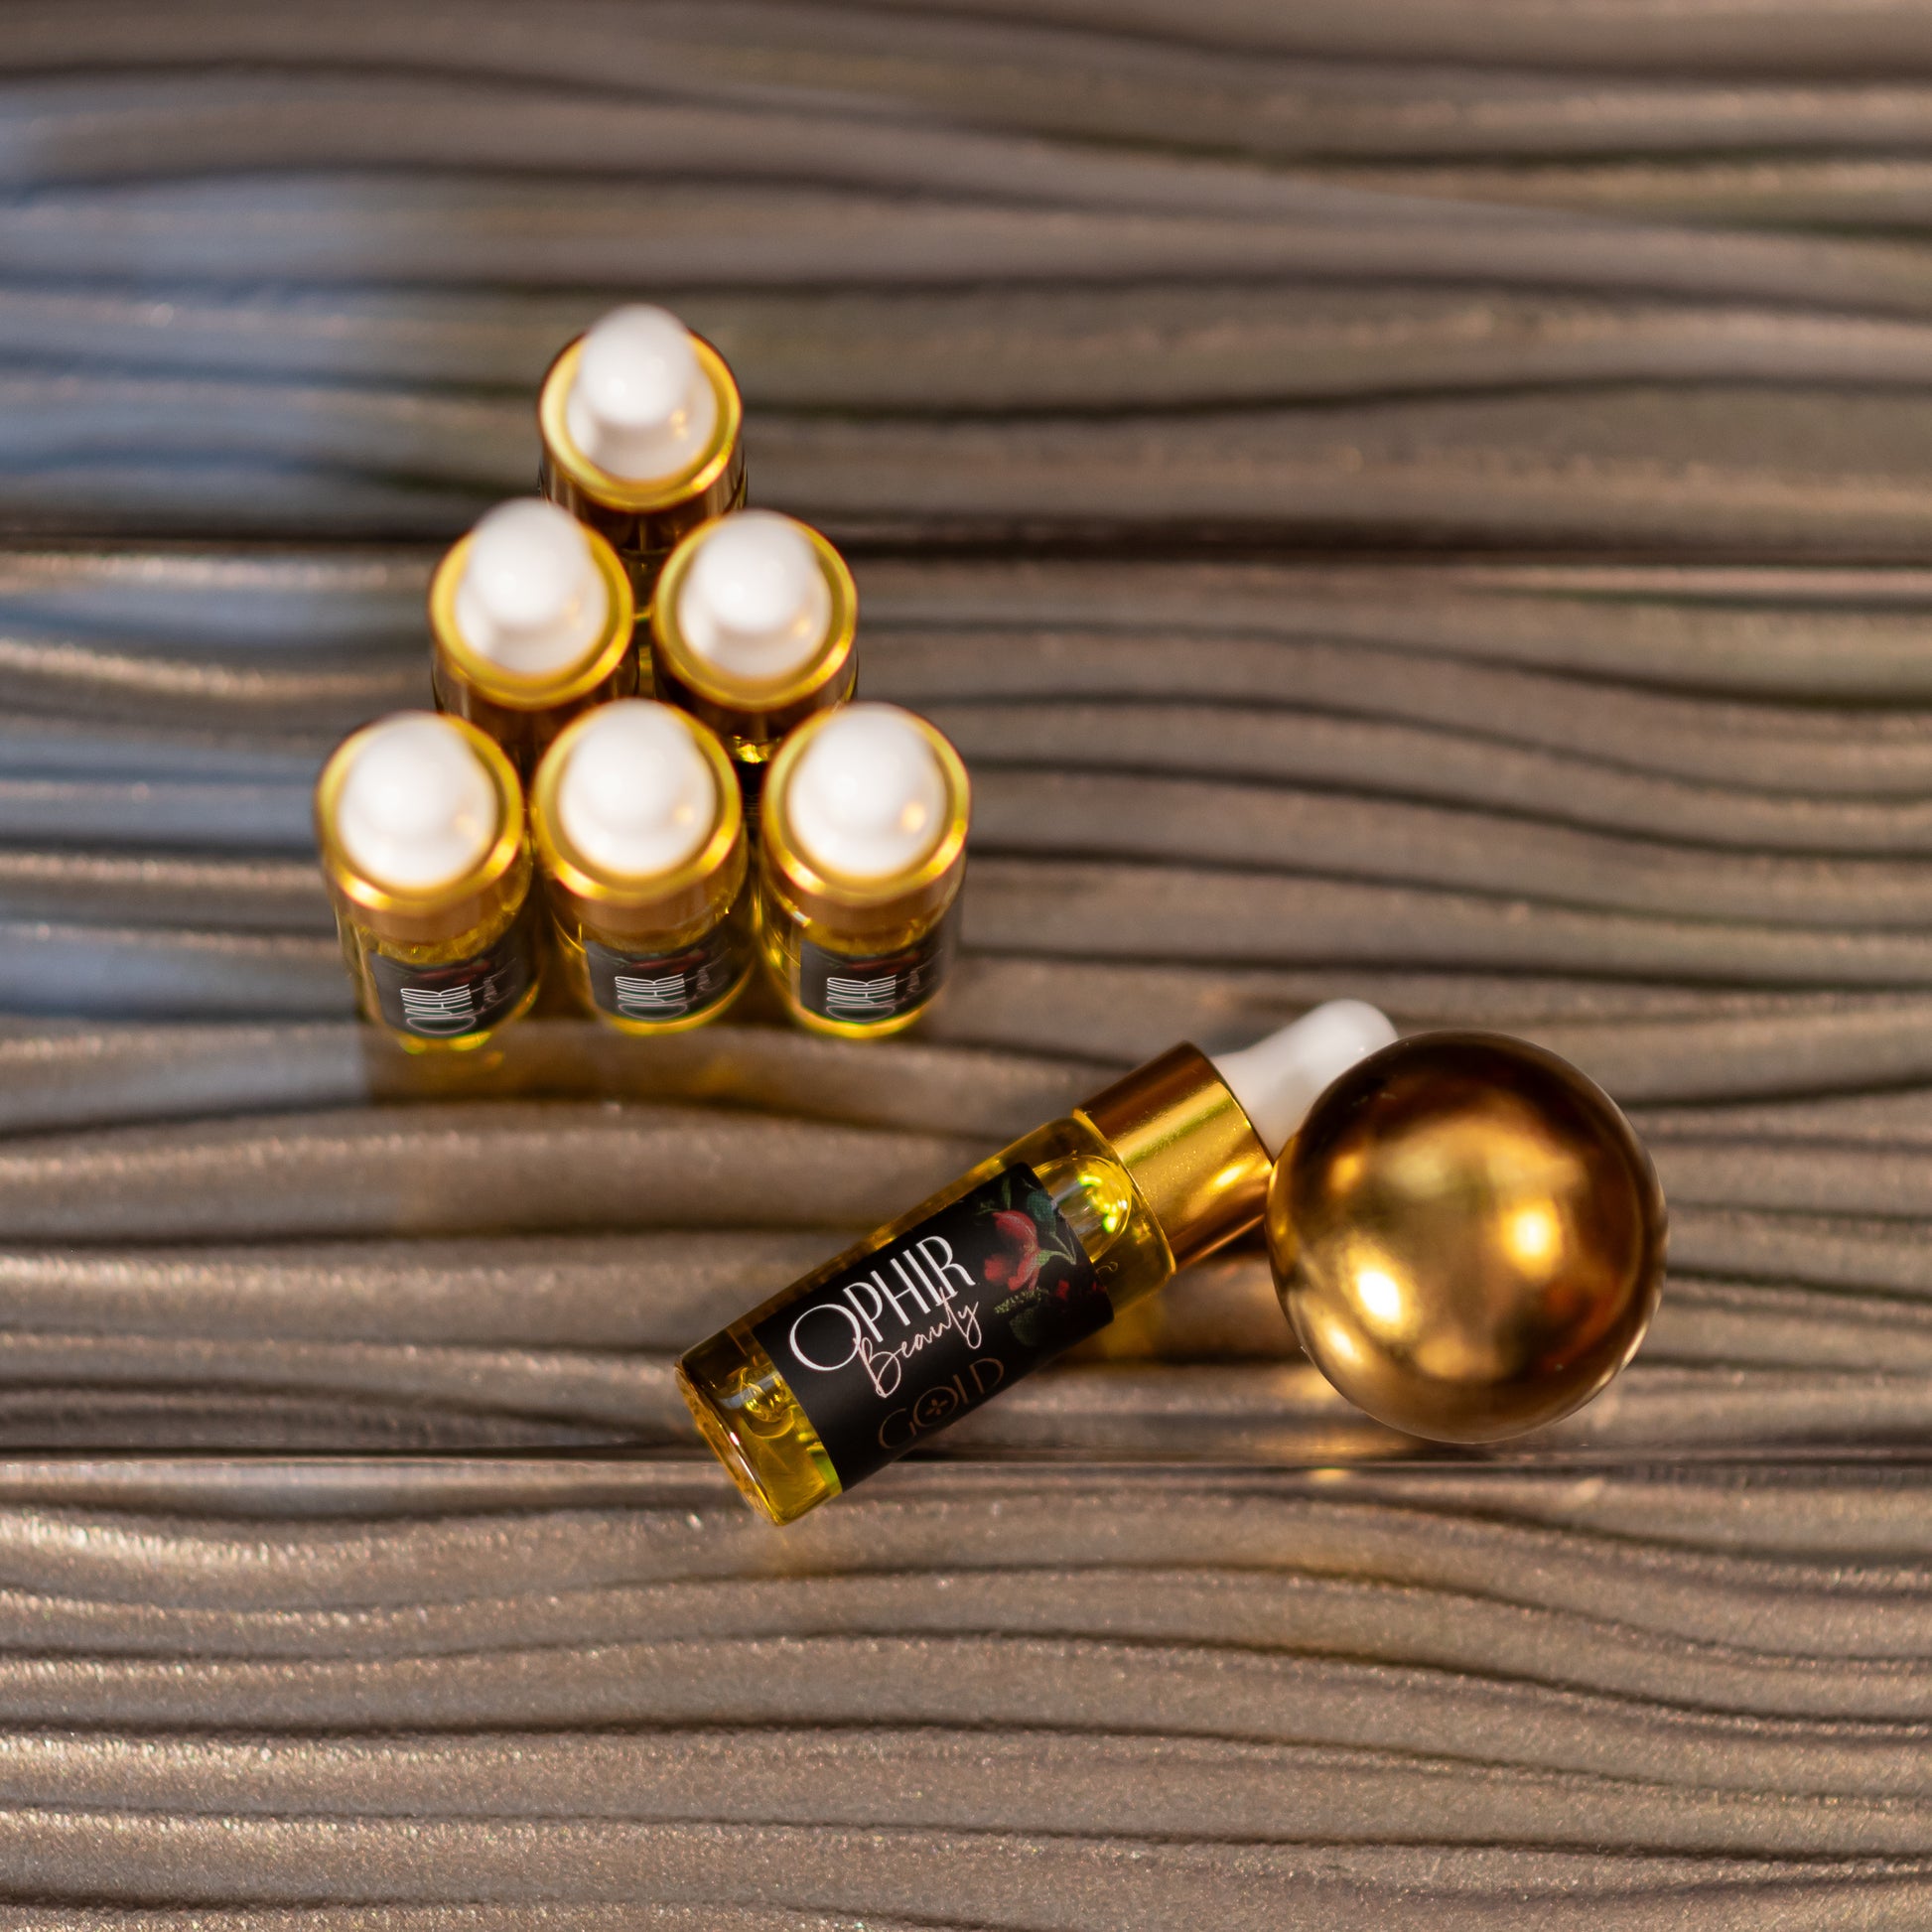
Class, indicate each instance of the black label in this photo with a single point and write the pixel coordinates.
(879, 986)
(468, 996)
(892, 1346)
(668, 985)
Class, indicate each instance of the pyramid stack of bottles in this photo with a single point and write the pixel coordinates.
(646, 775)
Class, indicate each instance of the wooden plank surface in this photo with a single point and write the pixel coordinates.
(1429, 503)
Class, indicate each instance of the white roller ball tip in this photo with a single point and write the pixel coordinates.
(531, 598)
(868, 798)
(417, 809)
(636, 797)
(1278, 1079)
(754, 603)
(640, 406)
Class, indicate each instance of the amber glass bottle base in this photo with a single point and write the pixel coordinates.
(755, 1427)
(720, 1440)
(422, 1047)
(816, 1023)
(574, 976)
(651, 1028)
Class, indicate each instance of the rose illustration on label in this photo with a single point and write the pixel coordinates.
(898, 1341)
(1044, 1272)
(1018, 1266)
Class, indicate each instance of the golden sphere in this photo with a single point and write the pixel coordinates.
(1467, 1236)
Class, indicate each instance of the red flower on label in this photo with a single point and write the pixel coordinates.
(1016, 1265)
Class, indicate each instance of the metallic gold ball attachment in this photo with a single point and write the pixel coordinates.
(1467, 1236)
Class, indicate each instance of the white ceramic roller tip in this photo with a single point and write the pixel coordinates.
(867, 799)
(641, 406)
(1278, 1079)
(636, 797)
(531, 598)
(417, 809)
(755, 601)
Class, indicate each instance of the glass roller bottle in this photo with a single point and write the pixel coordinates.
(639, 422)
(934, 1313)
(753, 631)
(530, 623)
(420, 819)
(640, 837)
(861, 860)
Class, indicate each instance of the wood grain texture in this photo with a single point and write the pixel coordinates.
(1421, 501)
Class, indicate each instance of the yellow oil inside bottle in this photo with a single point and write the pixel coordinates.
(746, 1410)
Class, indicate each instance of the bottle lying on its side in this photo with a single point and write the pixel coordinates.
(1028, 1253)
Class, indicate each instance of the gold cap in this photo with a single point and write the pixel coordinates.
(1467, 1236)
(438, 913)
(1194, 1155)
(758, 709)
(690, 895)
(860, 906)
(548, 690)
(642, 519)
